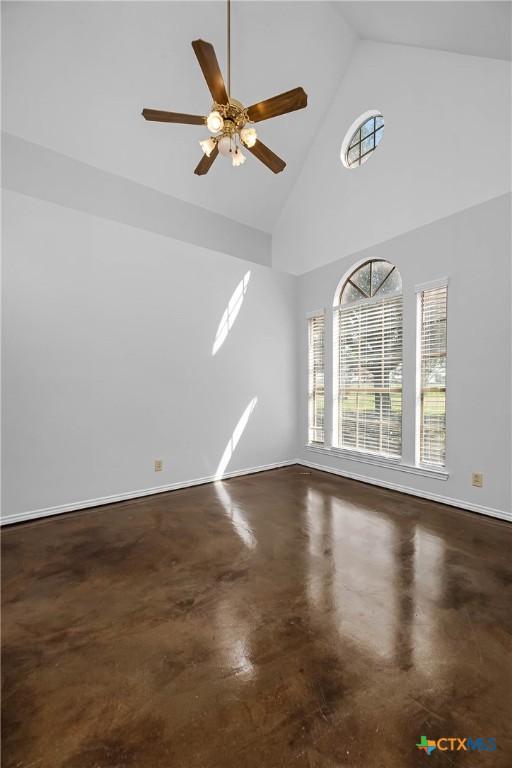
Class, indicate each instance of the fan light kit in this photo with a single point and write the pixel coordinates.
(231, 124)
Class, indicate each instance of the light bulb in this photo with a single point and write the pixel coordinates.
(238, 158)
(215, 122)
(224, 145)
(248, 135)
(207, 145)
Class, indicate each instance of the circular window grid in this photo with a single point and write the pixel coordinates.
(362, 139)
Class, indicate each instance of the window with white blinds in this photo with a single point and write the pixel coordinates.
(368, 369)
(316, 398)
(432, 377)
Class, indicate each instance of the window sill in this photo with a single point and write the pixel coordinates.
(380, 461)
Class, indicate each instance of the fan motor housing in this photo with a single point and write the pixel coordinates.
(234, 114)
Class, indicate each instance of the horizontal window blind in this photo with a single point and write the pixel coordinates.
(432, 385)
(316, 358)
(369, 373)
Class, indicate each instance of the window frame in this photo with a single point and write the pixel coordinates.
(393, 459)
(320, 313)
(347, 280)
(359, 143)
(350, 133)
(420, 290)
(406, 464)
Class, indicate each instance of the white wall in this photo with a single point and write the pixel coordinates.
(109, 328)
(446, 147)
(48, 175)
(473, 250)
(107, 359)
(108, 365)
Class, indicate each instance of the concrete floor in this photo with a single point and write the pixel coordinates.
(289, 618)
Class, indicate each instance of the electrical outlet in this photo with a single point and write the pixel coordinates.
(477, 479)
(159, 465)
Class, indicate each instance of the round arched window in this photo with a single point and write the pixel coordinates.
(375, 278)
(362, 139)
(367, 371)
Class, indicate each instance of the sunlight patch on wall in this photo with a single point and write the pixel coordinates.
(234, 439)
(230, 313)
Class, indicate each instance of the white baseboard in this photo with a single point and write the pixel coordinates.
(35, 514)
(480, 508)
(62, 508)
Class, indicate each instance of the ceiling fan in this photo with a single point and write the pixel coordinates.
(230, 123)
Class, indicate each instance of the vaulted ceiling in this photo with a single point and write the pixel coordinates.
(77, 74)
(472, 28)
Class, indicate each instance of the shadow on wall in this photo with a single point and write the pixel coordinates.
(234, 439)
(230, 313)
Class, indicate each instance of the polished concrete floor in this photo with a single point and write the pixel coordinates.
(290, 618)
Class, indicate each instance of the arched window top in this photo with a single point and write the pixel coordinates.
(373, 279)
(362, 139)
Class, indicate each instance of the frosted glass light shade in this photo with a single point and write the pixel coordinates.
(224, 145)
(207, 145)
(215, 122)
(248, 135)
(238, 158)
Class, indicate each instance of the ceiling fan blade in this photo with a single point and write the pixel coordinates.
(210, 66)
(278, 105)
(206, 162)
(172, 117)
(267, 157)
